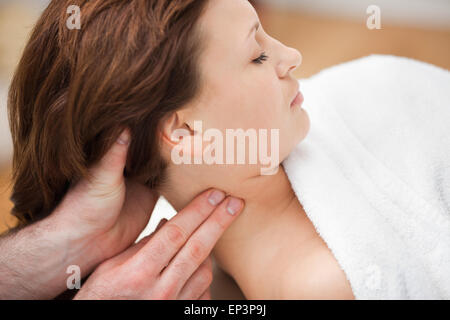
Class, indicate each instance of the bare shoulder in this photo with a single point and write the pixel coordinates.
(315, 275)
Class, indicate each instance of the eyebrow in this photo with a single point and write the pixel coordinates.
(254, 28)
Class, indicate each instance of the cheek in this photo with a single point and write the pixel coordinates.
(256, 103)
(265, 102)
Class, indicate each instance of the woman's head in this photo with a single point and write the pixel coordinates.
(152, 66)
(246, 82)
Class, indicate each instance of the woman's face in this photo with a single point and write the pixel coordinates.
(237, 91)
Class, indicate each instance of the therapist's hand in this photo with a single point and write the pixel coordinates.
(98, 218)
(106, 211)
(173, 262)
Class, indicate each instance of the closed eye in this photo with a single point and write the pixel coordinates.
(261, 58)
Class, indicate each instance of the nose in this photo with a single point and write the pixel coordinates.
(290, 60)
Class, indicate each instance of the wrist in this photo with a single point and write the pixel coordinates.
(35, 259)
(80, 249)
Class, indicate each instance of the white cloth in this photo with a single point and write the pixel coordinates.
(373, 174)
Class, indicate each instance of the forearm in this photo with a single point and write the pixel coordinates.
(34, 260)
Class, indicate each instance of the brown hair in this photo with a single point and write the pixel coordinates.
(131, 64)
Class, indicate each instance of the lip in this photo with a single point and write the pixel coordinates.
(298, 100)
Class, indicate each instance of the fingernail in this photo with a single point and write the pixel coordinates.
(216, 197)
(124, 138)
(234, 205)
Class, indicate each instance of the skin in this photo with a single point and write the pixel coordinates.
(99, 219)
(95, 227)
(273, 230)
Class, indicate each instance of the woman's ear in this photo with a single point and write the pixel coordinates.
(173, 130)
(177, 138)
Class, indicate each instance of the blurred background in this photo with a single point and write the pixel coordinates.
(326, 32)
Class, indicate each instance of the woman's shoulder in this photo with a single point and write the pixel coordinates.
(310, 270)
(316, 275)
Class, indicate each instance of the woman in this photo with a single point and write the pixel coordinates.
(156, 67)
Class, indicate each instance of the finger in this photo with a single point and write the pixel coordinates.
(198, 283)
(206, 295)
(160, 224)
(108, 173)
(102, 191)
(132, 250)
(158, 227)
(174, 234)
(200, 244)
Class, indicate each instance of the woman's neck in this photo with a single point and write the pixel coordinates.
(254, 239)
(260, 192)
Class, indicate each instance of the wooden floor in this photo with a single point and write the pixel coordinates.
(323, 43)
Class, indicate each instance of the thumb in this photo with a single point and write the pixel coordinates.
(108, 172)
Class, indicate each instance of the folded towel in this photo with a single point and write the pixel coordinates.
(373, 174)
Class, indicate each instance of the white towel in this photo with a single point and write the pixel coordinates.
(373, 174)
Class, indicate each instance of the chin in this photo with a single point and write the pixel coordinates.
(304, 128)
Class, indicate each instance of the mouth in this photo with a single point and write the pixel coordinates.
(298, 100)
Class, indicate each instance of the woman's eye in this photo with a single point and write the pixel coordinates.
(261, 58)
